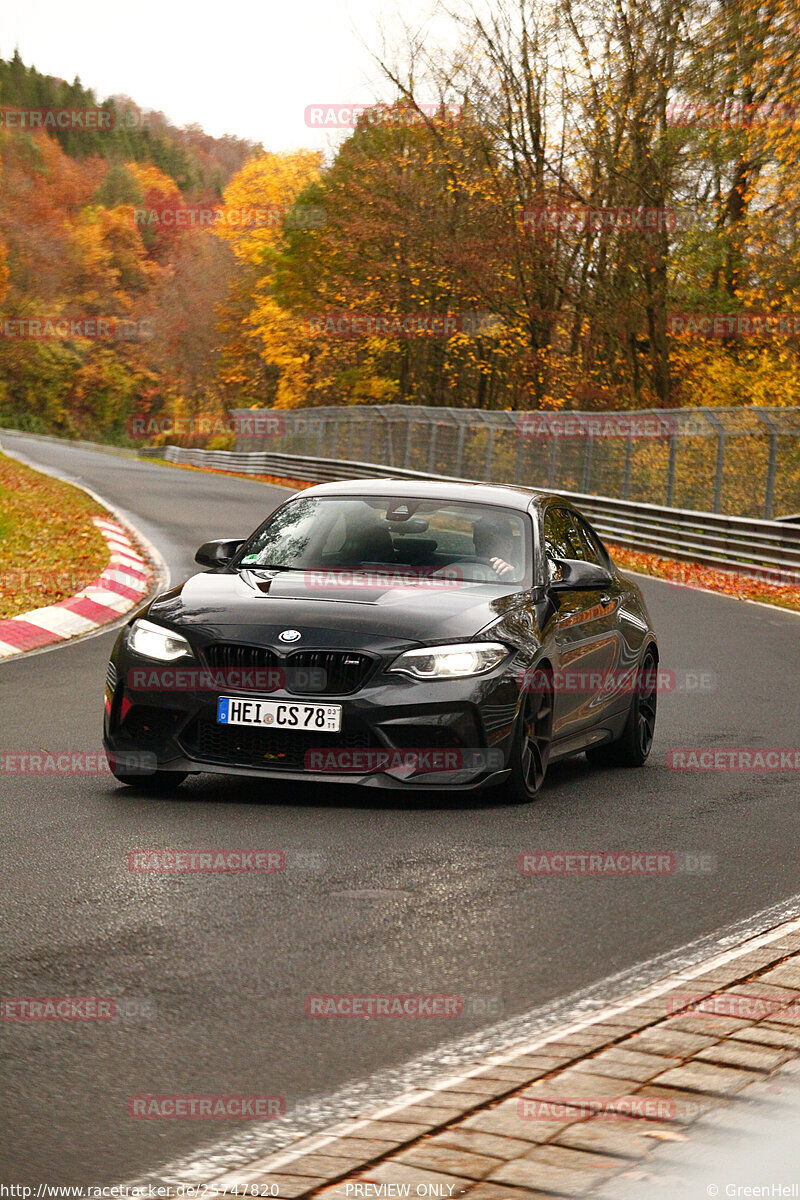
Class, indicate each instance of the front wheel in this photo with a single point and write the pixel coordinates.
(158, 781)
(633, 746)
(533, 735)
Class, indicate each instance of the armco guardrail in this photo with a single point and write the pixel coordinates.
(731, 543)
(741, 461)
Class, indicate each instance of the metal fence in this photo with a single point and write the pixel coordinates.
(740, 461)
(733, 543)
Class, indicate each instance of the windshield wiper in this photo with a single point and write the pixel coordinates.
(268, 567)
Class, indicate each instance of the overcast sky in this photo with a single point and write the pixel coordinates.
(250, 67)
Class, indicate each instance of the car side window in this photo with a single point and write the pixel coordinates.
(561, 536)
(595, 550)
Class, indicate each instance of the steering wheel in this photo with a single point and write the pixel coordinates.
(485, 572)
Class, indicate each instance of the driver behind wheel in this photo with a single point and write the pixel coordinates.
(495, 542)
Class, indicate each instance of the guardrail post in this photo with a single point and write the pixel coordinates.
(551, 466)
(772, 464)
(673, 452)
(407, 454)
(351, 434)
(718, 474)
(487, 475)
(626, 482)
(769, 491)
(432, 446)
(588, 455)
(462, 429)
(518, 465)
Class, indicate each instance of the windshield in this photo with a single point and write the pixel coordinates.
(415, 537)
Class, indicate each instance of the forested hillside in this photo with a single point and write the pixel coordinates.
(603, 212)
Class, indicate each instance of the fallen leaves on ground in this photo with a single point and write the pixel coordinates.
(49, 547)
(740, 584)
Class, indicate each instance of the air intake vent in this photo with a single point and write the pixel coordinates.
(308, 672)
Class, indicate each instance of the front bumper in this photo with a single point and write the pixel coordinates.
(451, 734)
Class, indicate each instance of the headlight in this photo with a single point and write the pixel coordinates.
(153, 641)
(451, 662)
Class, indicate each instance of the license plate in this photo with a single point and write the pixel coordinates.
(277, 714)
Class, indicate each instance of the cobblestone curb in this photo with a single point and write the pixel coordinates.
(564, 1114)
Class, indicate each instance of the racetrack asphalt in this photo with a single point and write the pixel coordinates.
(394, 894)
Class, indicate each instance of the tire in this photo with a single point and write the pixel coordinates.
(632, 747)
(530, 750)
(158, 781)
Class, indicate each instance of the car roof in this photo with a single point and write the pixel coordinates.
(507, 495)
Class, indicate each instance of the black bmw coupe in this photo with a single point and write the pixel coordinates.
(391, 634)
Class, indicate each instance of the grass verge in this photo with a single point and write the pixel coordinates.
(49, 548)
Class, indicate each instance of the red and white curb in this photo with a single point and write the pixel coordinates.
(122, 586)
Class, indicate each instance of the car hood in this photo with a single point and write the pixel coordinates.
(267, 603)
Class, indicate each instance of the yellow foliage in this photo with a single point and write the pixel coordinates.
(711, 374)
(259, 196)
(151, 179)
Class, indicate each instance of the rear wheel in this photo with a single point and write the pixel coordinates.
(530, 751)
(633, 746)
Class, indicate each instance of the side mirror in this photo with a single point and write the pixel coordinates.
(575, 575)
(218, 553)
